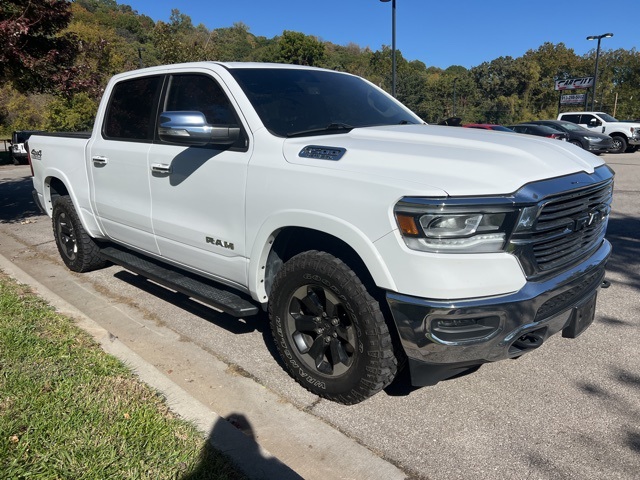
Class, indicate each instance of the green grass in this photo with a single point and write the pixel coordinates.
(70, 411)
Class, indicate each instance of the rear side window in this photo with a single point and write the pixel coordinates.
(571, 118)
(132, 109)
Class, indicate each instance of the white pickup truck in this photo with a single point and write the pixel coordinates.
(372, 239)
(625, 135)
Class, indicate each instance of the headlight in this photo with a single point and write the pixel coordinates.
(453, 227)
(593, 139)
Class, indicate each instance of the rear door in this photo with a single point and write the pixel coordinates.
(198, 193)
(118, 157)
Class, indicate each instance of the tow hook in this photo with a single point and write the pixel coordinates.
(605, 284)
(528, 341)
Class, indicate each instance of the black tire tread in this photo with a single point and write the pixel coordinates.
(382, 358)
(88, 255)
(623, 142)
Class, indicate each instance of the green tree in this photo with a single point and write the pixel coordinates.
(233, 44)
(20, 111)
(72, 114)
(300, 49)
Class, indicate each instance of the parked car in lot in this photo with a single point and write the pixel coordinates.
(539, 130)
(625, 135)
(592, 141)
(488, 126)
(18, 151)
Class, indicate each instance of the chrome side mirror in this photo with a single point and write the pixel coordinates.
(191, 128)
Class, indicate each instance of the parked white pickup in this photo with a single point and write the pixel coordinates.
(370, 237)
(626, 135)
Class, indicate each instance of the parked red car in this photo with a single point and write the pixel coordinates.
(488, 126)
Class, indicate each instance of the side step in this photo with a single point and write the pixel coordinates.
(183, 282)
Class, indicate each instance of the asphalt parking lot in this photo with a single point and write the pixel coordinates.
(569, 410)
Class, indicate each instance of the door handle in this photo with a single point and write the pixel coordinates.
(99, 160)
(161, 168)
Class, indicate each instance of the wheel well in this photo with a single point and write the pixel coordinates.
(291, 241)
(56, 189)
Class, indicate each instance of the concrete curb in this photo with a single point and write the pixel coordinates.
(251, 458)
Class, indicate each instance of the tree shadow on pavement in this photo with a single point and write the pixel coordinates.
(16, 202)
(184, 302)
(622, 232)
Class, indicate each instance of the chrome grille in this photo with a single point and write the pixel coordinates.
(568, 228)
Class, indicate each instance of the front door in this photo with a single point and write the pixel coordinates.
(198, 193)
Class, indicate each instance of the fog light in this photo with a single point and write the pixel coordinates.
(464, 329)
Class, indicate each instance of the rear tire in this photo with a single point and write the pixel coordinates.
(78, 250)
(329, 329)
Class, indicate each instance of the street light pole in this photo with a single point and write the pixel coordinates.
(595, 74)
(393, 45)
(454, 96)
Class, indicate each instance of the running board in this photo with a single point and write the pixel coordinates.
(183, 282)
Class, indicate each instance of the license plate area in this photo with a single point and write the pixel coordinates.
(581, 317)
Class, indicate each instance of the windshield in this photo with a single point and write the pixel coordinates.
(297, 102)
(606, 117)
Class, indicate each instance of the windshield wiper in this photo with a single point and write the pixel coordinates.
(331, 128)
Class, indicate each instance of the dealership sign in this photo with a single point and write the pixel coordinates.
(574, 83)
(573, 99)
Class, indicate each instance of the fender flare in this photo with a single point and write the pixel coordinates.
(83, 209)
(327, 224)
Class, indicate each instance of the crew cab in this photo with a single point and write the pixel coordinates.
(372, 239)
(625, 135)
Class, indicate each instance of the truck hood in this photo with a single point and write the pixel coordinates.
(459, 161)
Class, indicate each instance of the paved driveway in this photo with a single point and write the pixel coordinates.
(570, 410)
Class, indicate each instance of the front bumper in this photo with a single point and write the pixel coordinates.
(599, 147)
(444, 338)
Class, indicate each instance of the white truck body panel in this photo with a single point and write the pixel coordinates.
(229, 211)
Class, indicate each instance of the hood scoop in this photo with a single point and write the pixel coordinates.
(322, 153)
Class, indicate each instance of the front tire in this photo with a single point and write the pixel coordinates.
(78, 250)
(619, 144)
(329, 330)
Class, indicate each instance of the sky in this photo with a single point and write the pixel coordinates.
(438, 33)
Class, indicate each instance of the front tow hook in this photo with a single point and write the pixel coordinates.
(528, 341)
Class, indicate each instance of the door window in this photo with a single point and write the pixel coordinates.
(199, 93)
(571, 118)
(132, 109)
